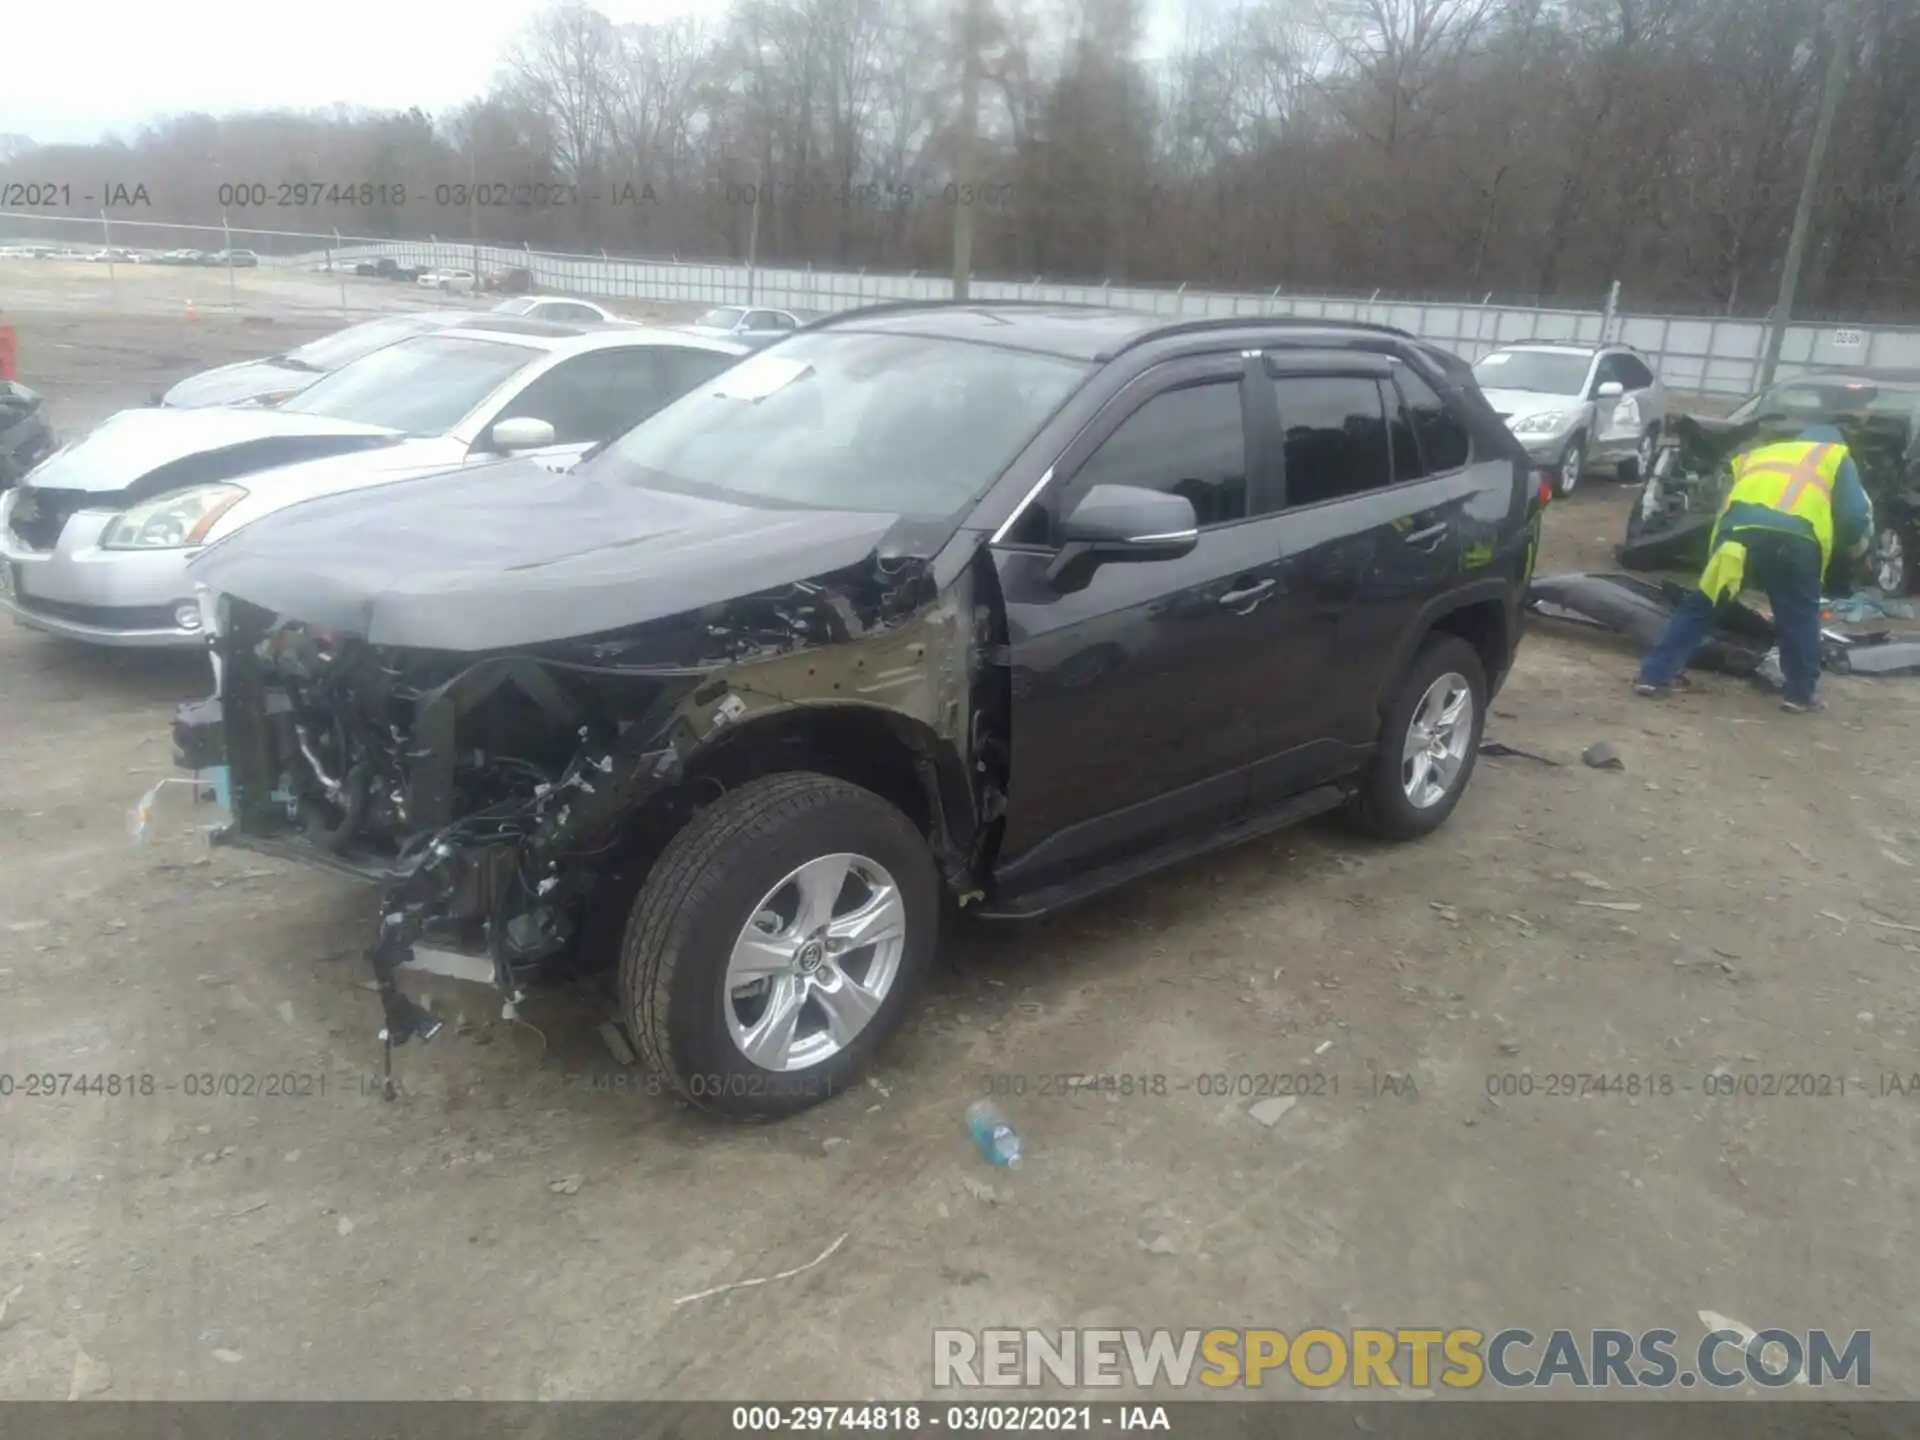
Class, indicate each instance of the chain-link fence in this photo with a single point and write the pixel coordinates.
(148, 263)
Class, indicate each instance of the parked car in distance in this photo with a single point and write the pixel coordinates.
(748, 326)
(560, 308)
(459, 282)
(233, 259)
(1005, 606)
(97, 538)
(26, 434)
(1577, 407)
(276, 378)
(1877, 412)
(181, 257)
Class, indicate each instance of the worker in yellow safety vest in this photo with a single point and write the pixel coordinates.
(1792, 502)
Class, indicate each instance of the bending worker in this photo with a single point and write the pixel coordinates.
(1789, 503)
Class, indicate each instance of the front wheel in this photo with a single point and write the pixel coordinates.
(777, 942)
(1428, 743)
(1573, 460)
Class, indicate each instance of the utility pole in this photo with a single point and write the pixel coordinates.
(968, 186)
(473, 200)
(753, 238)
(1809, 189)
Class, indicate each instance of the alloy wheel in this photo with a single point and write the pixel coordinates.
(1435, 751)
(815, 962)
(1890, 561)
(1571, 463)
(1643, 458)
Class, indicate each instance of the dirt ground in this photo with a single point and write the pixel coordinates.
(514, 1228)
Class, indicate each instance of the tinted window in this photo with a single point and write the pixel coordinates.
(1186, 442)
(1443, 439)
(593, 397)
(1336, 435)
(423, 386)
(1635, 375)
(1611, 369)
(1406, 448)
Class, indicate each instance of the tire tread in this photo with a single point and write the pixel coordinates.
(688, 870)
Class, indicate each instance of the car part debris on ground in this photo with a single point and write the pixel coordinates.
(1742, 638)
(1865, 605)
(1640, 609)
(1601, 756)
(994, 1133)
(1499, 750)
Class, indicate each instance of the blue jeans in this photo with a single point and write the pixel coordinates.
(1787, 567)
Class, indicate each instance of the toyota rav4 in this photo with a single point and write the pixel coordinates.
(976, 605)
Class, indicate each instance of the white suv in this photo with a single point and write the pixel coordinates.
(1578, 407)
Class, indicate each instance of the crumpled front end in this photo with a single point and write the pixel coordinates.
(495, 797)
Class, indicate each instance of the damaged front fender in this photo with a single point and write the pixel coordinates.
(498, 798)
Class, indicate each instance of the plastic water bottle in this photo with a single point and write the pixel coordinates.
(993, 1133)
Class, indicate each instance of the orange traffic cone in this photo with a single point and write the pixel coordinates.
(190, 314)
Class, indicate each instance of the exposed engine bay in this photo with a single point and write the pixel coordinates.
(501, 799)
(1671, 523)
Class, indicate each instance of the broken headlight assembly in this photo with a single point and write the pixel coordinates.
(172, 522)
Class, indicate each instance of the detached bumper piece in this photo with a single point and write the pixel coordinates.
(1640, 609)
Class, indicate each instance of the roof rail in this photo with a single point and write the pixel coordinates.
(1253, 322)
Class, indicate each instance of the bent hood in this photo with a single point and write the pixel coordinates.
(146, 452)
(511, 554)
(232, 384)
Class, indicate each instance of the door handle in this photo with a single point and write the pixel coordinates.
(1428, 538)
(1249, 597)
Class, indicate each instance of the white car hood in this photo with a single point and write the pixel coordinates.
(284, 485)
(1518, 404)
(137, 446)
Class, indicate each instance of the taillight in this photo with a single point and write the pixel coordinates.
(1546, 491)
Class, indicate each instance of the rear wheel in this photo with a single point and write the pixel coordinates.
(1640, 466)
(777, 942)
(1893, 557)
(1428, 743)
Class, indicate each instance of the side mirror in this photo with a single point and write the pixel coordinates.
(523, 432)
(1124, 523)
(1610, 390)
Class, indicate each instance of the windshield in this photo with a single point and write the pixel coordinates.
(1545, 371)
(515, 307)
(724, 319)
(847, 421)
(424, 386)
(330, 352)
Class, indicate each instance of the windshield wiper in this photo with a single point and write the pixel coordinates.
(294, 362)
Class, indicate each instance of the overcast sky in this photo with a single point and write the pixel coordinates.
(74, 71)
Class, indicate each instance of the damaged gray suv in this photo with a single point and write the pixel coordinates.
(987, 606)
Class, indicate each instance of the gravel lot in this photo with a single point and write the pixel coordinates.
(514, 1228)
